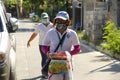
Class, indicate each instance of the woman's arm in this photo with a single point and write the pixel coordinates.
(75, 50)
(45, 49)
(31, 38)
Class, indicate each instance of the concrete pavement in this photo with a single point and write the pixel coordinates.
(88, 65)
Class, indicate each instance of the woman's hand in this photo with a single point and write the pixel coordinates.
(50, 55)
(28, 44)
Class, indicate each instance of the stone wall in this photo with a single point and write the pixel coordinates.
(115, 12)
(95, 15)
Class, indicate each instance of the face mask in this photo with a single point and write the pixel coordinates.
(60, 25)
(44, 21)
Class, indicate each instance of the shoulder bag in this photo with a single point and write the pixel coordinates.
(45, 67)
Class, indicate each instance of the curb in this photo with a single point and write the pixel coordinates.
(93, 47)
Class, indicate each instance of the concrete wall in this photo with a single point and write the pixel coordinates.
(95, 15)
(115, 12)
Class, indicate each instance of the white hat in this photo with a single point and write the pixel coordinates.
(62, 15)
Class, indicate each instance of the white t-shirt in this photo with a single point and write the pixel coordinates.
(51, 39)
(41, 29)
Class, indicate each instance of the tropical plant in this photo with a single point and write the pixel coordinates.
(10, 3)
(111, 38)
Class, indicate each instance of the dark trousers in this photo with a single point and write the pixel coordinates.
(44, 57)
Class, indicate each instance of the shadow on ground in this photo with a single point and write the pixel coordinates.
(26, 21)
(113, 67)
(85, 49)
(35, 78)
(25, 30)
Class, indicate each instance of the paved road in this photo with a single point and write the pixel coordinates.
(88, 65)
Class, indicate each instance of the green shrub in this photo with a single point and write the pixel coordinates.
(35, 18)
(86, 37)
(111, 38)
(80, 34)
(83, 36)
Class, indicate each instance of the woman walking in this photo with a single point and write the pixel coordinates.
(60, 67)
